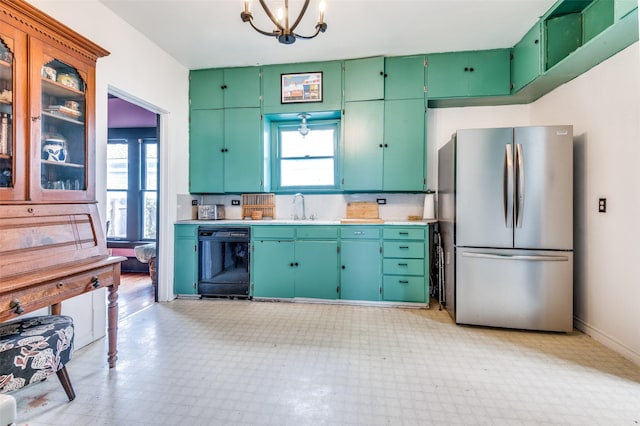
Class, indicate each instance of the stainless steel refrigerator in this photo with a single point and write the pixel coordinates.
(505, 211)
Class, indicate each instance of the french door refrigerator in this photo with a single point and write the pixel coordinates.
(505, 204)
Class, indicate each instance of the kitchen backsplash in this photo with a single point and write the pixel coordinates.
(399, 206)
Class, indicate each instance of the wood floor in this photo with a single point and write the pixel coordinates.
(134, 294)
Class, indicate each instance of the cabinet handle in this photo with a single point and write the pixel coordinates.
(404, 247)
(403, 233)
(291, 264)
(466, 68)
(15, 305)
(380, 145)
(358, 232)
(403, 281)
(36, 118)
(403, 264)
(95, 283)
(296, 264)
(536, 41)
(343, 267)
(471, 69)
(60, 284)
(30, 210)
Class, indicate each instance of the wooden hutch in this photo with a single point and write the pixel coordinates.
(52, 246)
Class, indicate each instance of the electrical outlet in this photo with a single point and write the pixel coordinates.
(381, 200)
(235, 202)
(194, 202)
(602, 205)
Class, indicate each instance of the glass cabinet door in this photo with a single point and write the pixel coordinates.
(12, 151)
(63, 145)
(61, 112)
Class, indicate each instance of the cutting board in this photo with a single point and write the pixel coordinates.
(362, 210)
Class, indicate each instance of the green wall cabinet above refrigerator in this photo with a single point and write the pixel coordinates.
(405, 77)
(469, 74)
(526, 63)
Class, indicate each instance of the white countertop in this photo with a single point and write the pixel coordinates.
(302, 222)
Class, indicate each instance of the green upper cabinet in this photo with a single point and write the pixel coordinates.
(205, 89)
(469, 74)
(526, 64)
(404, 77)
(364, 79)
(331, 87)
(404, 145)
(225, 151)
(363, 145)
(563, 35)
(206, 155)
(243, 153)
(384, 146)
(224, 88)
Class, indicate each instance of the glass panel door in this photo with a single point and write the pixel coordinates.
(7, 148)
(63, 141)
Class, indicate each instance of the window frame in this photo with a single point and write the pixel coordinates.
(275, 163)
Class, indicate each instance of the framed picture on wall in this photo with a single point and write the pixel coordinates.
(301, 87)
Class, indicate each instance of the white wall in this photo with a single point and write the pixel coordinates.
(604, 107)
(150, 77)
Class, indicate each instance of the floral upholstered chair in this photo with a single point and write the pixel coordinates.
(33, 348)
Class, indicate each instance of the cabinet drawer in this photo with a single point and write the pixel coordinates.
(403, 249)
(53, 291)
(403, 289)
(403, 266)
(403, 233)
(316, 232)
(272, 232)
(358, 232)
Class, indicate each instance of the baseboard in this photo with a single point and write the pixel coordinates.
(608, 341)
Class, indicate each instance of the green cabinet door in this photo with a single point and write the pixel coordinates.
(405, 77)
(316, 270)
(205, 89)
(363, 146)
(273, 269)
(364, 79)
(360, 270)
(242, 87)
(404, 141)
(563, 35)
(447, 75)
(526, 65)
(185, 260)
(489, 72)
(206, 142)
(243, 154)
(469, 74)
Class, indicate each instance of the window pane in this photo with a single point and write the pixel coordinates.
(149, 215)
(116, 214)
(151, 158)
(311, 172)
(117, 165)
(318, 143)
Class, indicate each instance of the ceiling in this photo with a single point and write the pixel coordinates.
(209, 33)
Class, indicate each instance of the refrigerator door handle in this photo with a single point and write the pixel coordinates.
(507, 186)
(561, 258)
(519, 185)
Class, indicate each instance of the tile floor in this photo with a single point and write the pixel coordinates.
(210, 362)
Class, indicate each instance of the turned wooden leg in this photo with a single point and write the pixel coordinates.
(112, 328)
(63, 376)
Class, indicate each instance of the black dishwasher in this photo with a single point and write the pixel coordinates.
(223, 263)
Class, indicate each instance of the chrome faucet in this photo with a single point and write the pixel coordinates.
(295, 210)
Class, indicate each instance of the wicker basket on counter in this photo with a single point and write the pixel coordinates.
(258, 206)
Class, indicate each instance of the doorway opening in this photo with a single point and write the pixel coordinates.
(132, 200)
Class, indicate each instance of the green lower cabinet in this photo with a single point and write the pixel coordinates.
(273, 269)
(185, 263)
(397, 288)
(316, 269)
(360, 271)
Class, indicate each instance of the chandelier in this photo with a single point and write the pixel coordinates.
(284, 32)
